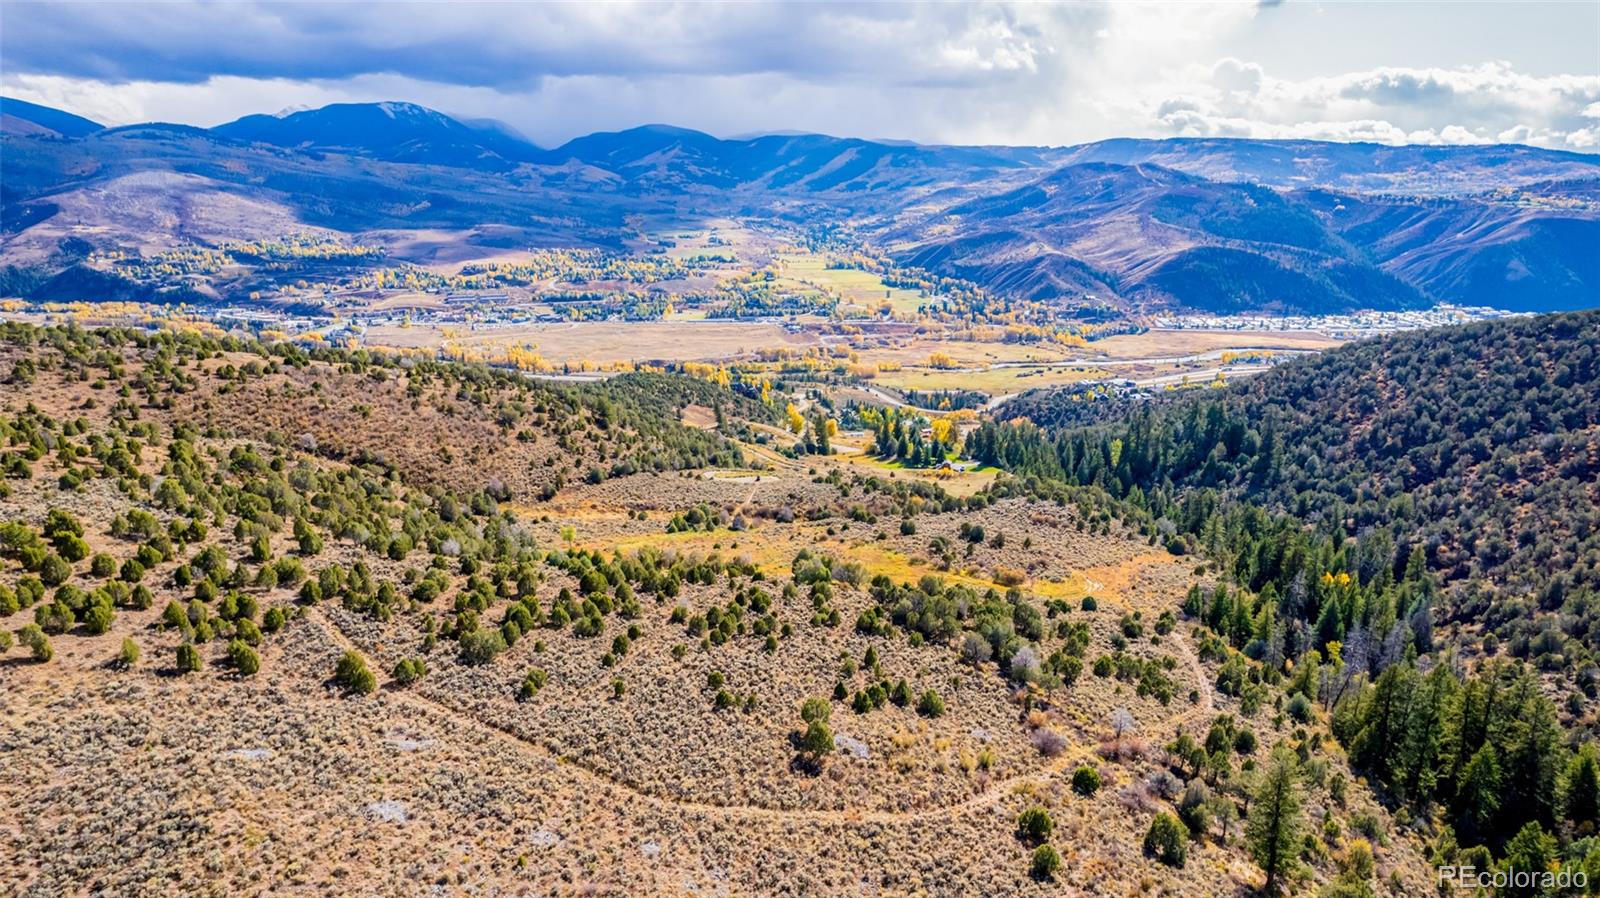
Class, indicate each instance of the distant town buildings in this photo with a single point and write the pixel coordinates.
(1353, 324)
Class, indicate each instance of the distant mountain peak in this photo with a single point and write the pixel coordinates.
(675, 130)
(390, 130)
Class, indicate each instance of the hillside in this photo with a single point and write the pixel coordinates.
(1474, 451)
(1213, 225)
(154, 187)
(1155, 237)
(1528, 256)
(340, 583)
(1408, 529)
(394, 132)
(656, 157)
(21, 118)
(1366, 168)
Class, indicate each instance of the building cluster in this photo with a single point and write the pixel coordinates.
(1352, 324)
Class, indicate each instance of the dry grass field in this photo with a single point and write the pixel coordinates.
(1165, 343)
(607, 342)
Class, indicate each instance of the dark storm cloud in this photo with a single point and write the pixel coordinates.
(504, 45)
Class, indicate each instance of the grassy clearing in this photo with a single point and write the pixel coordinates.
(862, 289)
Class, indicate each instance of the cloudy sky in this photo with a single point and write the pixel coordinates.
(1017, 73)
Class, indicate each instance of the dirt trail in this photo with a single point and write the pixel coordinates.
(1109, 581)
(993, 793)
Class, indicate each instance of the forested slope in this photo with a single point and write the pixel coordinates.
(1480, 444)
(1446, 478)
(1409, 532)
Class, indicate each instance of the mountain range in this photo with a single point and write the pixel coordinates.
(1219, 225)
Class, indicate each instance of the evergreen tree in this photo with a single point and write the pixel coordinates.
(1478, 795)
(1580, 788)
(1277, 818)
(1166, 840)
(1531, 850)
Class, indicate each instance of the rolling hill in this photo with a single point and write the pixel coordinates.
(1508, 255)
(663, 156)
(394, 132)
(1154, 236)
(1210, 225)
(21, 118)
(1350, 167)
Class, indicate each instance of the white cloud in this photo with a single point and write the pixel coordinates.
(1471, 104)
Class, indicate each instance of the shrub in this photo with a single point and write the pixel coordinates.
(930, 704)
(818, 740)
(188, 658)
(37, 642)
(479, 646)
(409, 670)
(73, 548)
(103, 566)
(243, 658)
(1194, 808)
(1045, 862)
(56, 617)
(860, 703)
(1034, 825)
(975, 650)
(1166, 840)
(174, 616)
(54, 570)
(901, 693)
(352, 674)
(132, 570)
(532, 682)
(1086, 780)
(273, 620)
(128, 655)
(1009, 576)
(1049, 742)
(813, 709)
(245, 629)
(97, 618)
